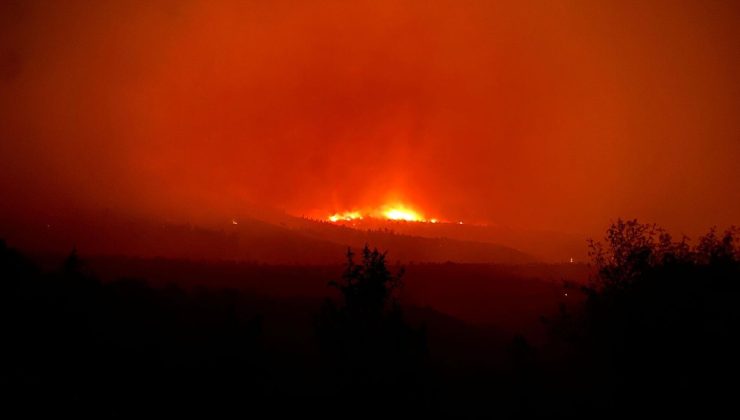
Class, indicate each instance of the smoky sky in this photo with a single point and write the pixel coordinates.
(557, 115)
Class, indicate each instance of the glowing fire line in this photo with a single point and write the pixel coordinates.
(346, 216)
(403, 214)
(396, 213)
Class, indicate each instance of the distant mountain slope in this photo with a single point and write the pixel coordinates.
(414, 248)
(295, 241)
(110, 234)
(543, 245)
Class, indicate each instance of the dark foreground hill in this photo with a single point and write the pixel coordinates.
(509, 296)
(654, 332)
(120, 346)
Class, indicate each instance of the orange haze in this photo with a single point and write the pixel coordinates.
(559, 115)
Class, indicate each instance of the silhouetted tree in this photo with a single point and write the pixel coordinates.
(365, 339)
(368, 287)
(660, 323)
(73, 263)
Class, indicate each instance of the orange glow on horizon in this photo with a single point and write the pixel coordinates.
(551, 116)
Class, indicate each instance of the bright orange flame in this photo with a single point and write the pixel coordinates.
(389, 212)
(346, 216)
(401, 213)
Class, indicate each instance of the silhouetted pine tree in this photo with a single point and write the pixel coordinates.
(364, 338)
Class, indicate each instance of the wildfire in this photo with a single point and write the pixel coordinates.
(389, 212)
(403, 214)
(346, 216)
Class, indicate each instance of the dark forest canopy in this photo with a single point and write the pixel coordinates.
(657, 329)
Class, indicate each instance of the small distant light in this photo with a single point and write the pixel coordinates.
(234, 222)
(433, 220)
(460, 222)
(571, 260)
(566, 294)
